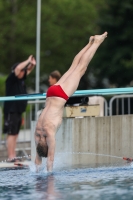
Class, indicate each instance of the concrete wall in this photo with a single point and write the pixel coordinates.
(111, 135)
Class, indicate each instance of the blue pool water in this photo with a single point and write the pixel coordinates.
(76, 183)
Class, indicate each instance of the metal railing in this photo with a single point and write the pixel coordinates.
(120, 104)
(105, 107)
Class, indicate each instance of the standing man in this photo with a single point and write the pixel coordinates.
(15, 85)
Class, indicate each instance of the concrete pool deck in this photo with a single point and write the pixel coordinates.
(15, 165)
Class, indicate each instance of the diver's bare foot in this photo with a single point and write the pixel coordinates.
(100, 38)
(91, 40)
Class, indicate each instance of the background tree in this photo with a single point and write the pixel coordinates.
(65, 28)
(116, 58)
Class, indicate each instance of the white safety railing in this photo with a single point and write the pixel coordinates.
(120, 104)
(105, 107)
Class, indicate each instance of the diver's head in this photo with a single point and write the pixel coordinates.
(42, 149)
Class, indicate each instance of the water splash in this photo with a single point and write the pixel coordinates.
(90, 153)
(38, 169)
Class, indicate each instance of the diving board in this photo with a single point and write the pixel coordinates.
(97, 92)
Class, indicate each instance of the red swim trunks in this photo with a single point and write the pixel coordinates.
(57, 91)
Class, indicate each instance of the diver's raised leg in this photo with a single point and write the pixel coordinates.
(72, 81)
(76, 61)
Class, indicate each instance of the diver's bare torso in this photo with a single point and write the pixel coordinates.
(51, 117)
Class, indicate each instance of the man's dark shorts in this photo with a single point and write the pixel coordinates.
(12, 123)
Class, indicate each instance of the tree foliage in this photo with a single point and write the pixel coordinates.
(116, 58)
(65, 29)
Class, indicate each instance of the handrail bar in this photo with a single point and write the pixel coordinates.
(117, 97)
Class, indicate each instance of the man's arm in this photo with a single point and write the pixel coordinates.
(38, 162)
(29, 64)
(38, 159)
(51, 150)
